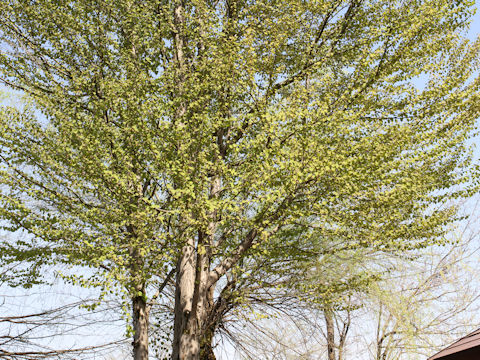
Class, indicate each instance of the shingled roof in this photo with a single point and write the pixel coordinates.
(466, 348)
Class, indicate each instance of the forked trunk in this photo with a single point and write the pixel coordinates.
(140, 328)
(192, 340)
(191, 305)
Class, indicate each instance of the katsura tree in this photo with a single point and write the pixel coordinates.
(188, 139)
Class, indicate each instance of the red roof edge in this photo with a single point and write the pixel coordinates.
(469, 341)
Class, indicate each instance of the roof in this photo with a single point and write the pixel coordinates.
(470, 341)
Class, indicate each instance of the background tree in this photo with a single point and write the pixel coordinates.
(192, 137)
(424, 305)
(424, 302)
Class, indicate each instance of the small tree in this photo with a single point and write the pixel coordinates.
(423, 305)
(193, 136)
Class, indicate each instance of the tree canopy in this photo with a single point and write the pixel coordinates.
(194, 138)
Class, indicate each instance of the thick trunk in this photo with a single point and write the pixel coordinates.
(189, 347)
(183, 302)
(191, 305)
(330, 334)
(186, 332)
(140, 328)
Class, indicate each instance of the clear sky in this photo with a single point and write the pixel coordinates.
(475, 26)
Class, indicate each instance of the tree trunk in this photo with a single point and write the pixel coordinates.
(343, 336)
(330, 334)
(191, 303)
(206, 348)
(184, 290)
(140, 328)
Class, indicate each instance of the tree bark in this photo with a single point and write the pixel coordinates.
(210, 325)
(191, 304)
(184, 290)
(140, 328)
(343, 336)
(330, 334)
(206, 348)
(186, 343)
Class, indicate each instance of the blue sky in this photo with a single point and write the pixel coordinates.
(475, 26)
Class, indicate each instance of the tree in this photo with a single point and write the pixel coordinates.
(191, 138)
(427, 299)
(324, 293)
(424, 305)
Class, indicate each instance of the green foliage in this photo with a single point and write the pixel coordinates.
(305, 112)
